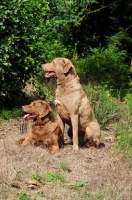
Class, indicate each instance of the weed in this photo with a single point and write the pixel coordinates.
(78, 184)
(39, 194)
(64, 166)
(8, 114)
(88, 196)
(23, 196)
(55, 177)
(124, 137)
(104, 106)
(38, 178)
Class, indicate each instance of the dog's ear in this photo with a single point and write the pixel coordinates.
(67, 64)
(45, 109)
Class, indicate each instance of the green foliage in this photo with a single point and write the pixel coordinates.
(124, 139)
(35, 31)
(122, 40)
(78, 184)
(64, 166)
(87, 195)
(22, 196)
(107, 67)
(105, 107)
(8, 114)
(42, 88)
(21, 38)
(26, 40)
(38, 178)
(128, 100)
(55, 177)
(39, 194)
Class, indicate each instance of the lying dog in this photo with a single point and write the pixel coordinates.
(45, 127)
(72, 104)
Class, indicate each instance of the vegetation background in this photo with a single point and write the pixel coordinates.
(96, 35)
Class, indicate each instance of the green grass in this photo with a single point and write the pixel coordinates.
(8, 114)
(22, 196)
(38, 178)
(54, 178)
(105, 107)
(78, 184)
(124, 140)
(64, 166)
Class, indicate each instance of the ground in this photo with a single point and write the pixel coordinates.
(91, 174)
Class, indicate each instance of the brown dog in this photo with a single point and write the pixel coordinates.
(45, 127)
(72, 104)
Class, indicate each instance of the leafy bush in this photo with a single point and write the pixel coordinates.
(27, 40)
(20, 43)
(107, 67)
(104, 106)
(7, 114)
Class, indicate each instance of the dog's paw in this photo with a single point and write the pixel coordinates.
(53, 149)
(20, 141)
(75, 150)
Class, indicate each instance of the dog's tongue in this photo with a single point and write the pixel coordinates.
(50, 74)
(29, 116)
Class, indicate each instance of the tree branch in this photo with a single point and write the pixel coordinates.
(97, 10)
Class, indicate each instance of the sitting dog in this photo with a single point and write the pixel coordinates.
(45, 127)
(72, 104)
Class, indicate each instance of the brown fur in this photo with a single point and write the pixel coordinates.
(45, 129)
(72, 104)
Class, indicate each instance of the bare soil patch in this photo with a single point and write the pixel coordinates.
(104, 174)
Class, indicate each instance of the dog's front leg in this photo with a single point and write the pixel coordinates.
(28, 138)
(74, 121)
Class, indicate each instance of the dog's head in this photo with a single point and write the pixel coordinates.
(57, 67)
(36, 109)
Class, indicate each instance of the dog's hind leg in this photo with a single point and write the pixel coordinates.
(93, 134)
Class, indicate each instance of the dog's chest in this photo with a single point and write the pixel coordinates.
(62, 110)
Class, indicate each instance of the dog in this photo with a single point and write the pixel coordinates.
(72, 104)
(45, 129)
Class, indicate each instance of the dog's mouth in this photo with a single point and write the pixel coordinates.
(50, 74)
(29, 116)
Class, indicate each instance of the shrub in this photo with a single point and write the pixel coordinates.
(107, 67)
(104, 106)
(24, 45)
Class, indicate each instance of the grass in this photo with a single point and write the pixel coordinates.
(8, 114)
(107, 110)
(38, 178)
(78, 184)
(124, 140)
(64, 166)
(54, 178)
(23, 196)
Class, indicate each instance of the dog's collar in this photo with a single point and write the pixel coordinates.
(42, 119)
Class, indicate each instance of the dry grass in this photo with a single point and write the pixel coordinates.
(103, 174)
